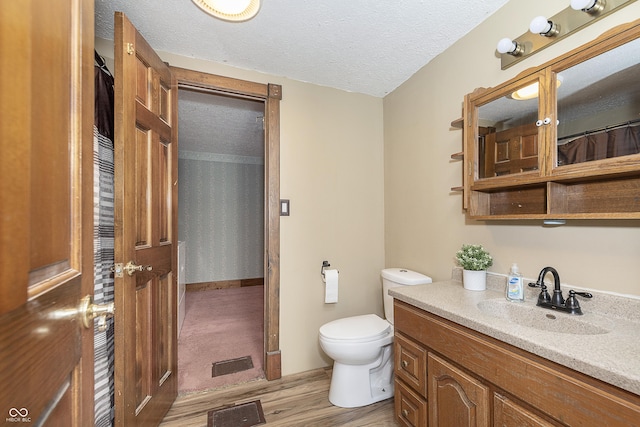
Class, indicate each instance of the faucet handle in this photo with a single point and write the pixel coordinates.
(582, 294)
(572, 304)
(544, 296)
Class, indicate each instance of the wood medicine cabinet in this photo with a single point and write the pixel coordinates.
(570, 147)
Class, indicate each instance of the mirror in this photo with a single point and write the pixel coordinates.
(599, 107)
(508, 135)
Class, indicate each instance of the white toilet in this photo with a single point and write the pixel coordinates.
(362, 348)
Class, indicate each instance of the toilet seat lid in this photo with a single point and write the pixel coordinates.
(366, 327)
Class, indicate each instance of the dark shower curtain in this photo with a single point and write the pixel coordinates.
(103, 238)
(606, 144)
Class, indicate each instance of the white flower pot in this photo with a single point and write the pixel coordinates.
(474, 280)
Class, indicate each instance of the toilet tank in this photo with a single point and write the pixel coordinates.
(392, 277)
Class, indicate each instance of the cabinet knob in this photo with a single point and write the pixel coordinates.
(404, 363)
(544, 121)
(405, 413)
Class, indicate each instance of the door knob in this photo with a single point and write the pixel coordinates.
(89, 311)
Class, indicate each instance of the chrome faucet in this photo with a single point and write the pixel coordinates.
(557, 302)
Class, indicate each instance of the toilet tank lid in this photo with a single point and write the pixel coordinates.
(405, 277)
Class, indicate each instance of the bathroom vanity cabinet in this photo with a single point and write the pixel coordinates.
(450, 375)
(570, 149)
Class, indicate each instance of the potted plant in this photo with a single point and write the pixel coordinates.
(474, 260)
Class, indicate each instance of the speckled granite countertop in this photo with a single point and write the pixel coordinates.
(613, 356)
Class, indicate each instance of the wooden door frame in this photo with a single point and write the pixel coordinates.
(270, 94)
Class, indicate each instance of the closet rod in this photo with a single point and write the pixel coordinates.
(590, 132)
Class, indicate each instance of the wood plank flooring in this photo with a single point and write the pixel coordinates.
(294, 400)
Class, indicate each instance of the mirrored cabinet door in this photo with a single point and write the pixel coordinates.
(598, 107)
(509, 130)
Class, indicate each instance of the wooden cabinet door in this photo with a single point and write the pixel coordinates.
(46, 212)
(145, 230)
(455, 398)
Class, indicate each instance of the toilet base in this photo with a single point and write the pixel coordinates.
(353, 386)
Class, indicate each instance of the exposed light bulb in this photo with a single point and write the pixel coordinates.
(541, 25)
(506, 45)
(589, 6)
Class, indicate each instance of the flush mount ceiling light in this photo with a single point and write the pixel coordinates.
(230, 10)
(531, 91)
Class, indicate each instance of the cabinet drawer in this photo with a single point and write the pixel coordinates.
(410, 408)
(411, 363)
(507, 412)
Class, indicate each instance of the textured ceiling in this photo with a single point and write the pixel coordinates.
(220, 124)
(362, 46)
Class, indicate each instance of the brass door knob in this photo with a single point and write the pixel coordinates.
(89, 311)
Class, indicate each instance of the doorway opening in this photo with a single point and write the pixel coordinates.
(221, 239)
(259, 105)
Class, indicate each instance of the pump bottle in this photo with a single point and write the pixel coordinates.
(515, 286)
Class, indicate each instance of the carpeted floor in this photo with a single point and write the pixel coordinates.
(220, 325)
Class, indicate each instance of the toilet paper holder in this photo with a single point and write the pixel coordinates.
(325, 264)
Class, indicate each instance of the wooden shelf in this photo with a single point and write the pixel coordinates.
(588, 199)
(460, 188)
(458, 123)
(458, 156)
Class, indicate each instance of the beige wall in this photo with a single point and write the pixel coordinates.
(332, 171)
(363, 204)
(424, 223)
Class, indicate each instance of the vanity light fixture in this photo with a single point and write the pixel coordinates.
(541, 25)
(230, 10)
(506, 45)
(589, 6)
(571, 19)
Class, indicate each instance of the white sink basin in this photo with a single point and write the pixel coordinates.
(543, 318)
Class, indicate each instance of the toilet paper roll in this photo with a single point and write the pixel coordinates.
(331, 286)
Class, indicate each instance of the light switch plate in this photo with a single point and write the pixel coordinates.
(284, 207)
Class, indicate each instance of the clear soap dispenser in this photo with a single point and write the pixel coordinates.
(515, 286)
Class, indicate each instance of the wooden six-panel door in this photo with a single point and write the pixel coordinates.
(46, 212)
(145, 230)
(512, 151)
